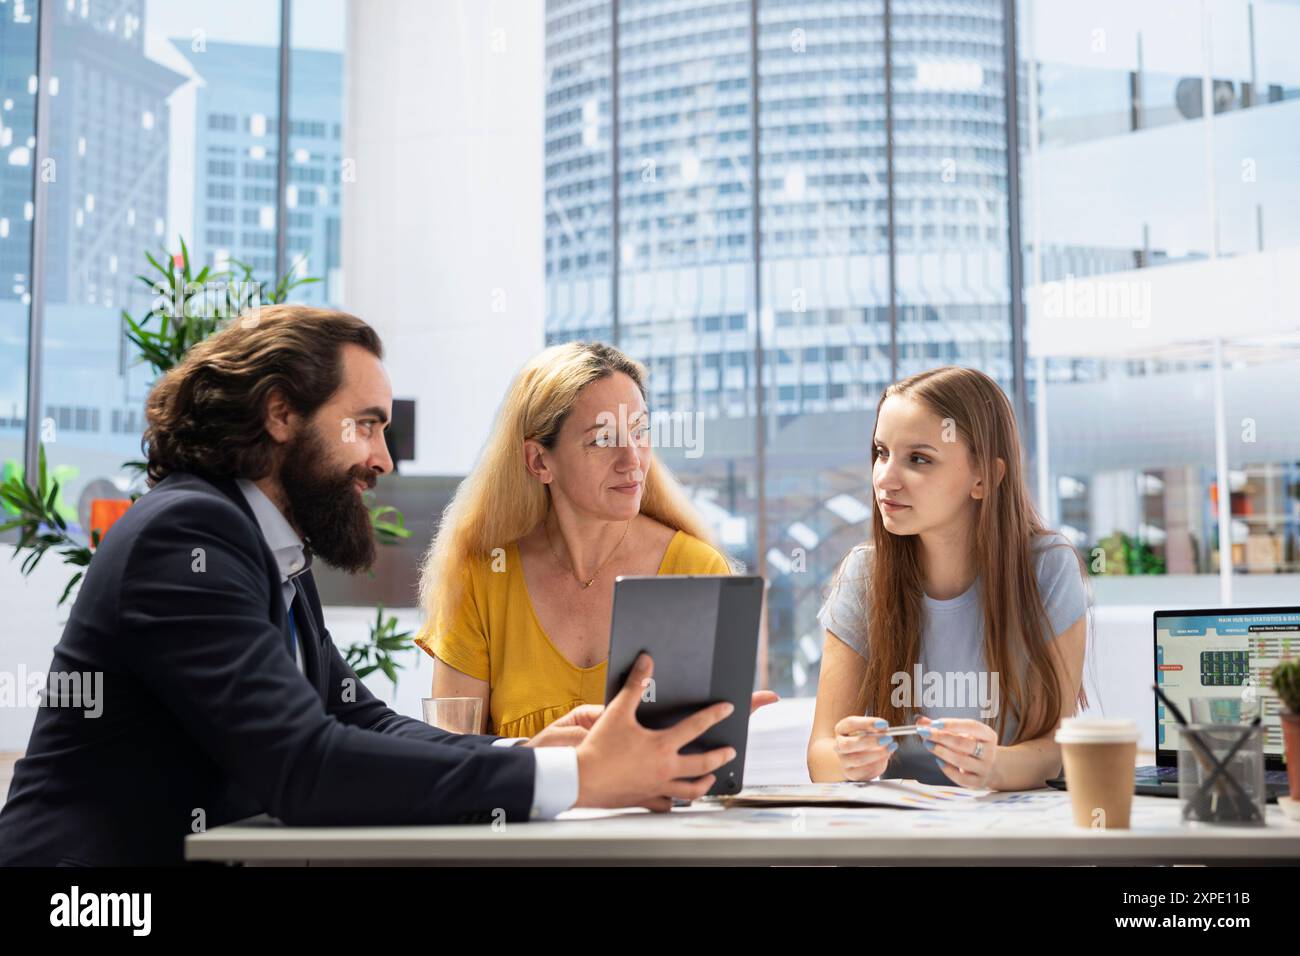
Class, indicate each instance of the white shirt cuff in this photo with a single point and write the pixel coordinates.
(555, 782)
(507, 741)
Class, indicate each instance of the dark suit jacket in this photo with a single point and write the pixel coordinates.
(205, 716)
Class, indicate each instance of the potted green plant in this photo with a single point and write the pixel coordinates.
(1286, 684)
(377, 655)
(42, 526)
(1127, 555)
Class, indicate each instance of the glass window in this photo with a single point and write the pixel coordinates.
(137, 165)
(17, 161)
(578, 174)
(1149, 206)
(318, 168)
(685, 251)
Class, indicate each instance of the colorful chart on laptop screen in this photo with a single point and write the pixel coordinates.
(1217, 668)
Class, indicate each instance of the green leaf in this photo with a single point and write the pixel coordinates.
(30, 562)
(389, 531)
(68, 590)
(157, 265)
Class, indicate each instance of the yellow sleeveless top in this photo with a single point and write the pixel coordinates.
(496, 637)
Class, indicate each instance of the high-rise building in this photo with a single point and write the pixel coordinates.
(106, 191)
(685, 244)
(17, 143)
(236, 156)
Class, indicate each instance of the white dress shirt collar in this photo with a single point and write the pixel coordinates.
(290, 554)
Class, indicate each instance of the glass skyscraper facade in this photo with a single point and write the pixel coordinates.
(236, 155)
(816, 333)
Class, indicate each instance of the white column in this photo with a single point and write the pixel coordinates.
(442, 230)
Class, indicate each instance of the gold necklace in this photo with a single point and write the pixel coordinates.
(585, 584)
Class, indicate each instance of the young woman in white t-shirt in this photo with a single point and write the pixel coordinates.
(959, 577)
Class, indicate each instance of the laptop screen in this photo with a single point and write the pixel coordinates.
(1223, 660)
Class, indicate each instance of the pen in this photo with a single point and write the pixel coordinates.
(900, 730)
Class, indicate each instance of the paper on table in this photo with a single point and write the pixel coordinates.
(904, 794)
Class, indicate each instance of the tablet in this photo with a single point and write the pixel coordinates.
(702, 632)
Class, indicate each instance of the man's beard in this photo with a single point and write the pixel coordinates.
(324, 505)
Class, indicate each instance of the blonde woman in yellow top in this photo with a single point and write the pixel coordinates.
(518, 585)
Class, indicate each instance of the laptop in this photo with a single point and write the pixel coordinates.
(1225, 654)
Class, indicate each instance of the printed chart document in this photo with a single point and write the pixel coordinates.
(904, 794)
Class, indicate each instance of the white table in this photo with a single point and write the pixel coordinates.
(1040, 832)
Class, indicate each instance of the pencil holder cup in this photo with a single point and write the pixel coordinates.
(1221, 774)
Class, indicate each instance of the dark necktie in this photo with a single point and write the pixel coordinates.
(298, 595)
(293, 636)
(302, 628)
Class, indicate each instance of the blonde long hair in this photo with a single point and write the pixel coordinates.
(1003, 535)
(499, 501)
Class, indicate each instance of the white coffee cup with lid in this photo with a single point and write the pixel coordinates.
(1097, 730)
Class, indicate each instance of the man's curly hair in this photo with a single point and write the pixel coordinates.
(207, 415)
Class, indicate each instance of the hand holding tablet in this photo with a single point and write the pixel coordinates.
(702, 631)
(624, 764)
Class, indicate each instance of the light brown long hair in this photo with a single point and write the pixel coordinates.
(499, 501)
(1003, 536)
